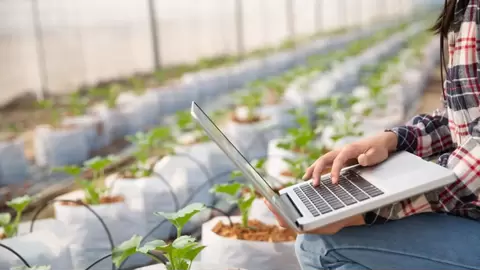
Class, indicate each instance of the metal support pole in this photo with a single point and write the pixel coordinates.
(290, 19)
(40, 51)
(152, 12)
(239, 27)
(318, 15)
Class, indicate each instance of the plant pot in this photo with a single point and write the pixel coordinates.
(144, 196)
(42, 247)
(89, 240)
(190, 183)
(62, 147)
(114, 122)
(260, 211)
(209, 154)
(93, 129)
(257, 255)
(275, 166)
(14, 168)
(196, 265)
(252, 138)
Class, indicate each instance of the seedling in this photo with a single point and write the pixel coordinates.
(252, 100)
(156, 142)
(10, 228)
(92, 194)
(49, 105)
(180, 253)
(244, 201)
(78, 104)
(137, 84)
(186, 124)
(299, 139)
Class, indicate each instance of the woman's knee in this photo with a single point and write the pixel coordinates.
(310, 248)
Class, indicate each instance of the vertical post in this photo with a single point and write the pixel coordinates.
(152, 12)
(318, 15)
(239, 27)
(40, 51)
(290, 19)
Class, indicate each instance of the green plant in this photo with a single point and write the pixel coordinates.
(77, 104)
(186, 124)
(10, 228)
(156, 142)
(180, 253)
(49, 105)
(251, 101)
(299, 139)
(92, 193)
(244, 201)
(138, 84)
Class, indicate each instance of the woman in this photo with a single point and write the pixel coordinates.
(436, 230)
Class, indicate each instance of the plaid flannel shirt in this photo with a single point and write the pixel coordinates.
(453, 132)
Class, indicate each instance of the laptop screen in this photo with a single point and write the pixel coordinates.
(231, 151)
(242, 163)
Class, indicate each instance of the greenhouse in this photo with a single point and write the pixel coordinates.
(108, 162)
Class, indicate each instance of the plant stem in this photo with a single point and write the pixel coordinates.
(244, 218)
(179, 232)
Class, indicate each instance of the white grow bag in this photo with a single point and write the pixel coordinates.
(43, 247)
(190, 184)
(114, 122)
(60, 147)
(260, 211)
(219, 166)
(195, 266)
(13, 164)
(89, 240)
(144, 196)
(93, 130)
(246, 254)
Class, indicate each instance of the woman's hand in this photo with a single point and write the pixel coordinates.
(368, 152)
(326, 230)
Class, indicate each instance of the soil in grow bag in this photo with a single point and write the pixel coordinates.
(253, 119)
(103, 200)
(257, 231)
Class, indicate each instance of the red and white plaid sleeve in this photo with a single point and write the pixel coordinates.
(428, 135)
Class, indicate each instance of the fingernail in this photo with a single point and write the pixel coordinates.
(304, 176)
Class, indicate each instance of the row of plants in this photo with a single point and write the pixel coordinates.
(88, 128)
(174, 168)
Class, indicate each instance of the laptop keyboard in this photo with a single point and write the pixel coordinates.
(326, 197)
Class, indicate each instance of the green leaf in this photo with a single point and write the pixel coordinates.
(236, 174)
(154, 245)
(98, 164)
(19, 204)
(183, 241)
(231, 189)
(193, 253)
(5, 218)
(180, 218)
(70, 170)
(125, 250)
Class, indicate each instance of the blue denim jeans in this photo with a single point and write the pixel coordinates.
(426, 241)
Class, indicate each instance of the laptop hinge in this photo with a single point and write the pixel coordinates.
(293, 211)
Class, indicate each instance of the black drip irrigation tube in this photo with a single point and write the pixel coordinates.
(16, 254)
(109, 235)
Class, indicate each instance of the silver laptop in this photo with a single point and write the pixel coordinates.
(360, 189)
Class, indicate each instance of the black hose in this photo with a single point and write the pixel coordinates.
(16, 254)
(109, 235)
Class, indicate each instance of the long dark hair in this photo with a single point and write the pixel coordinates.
(441, 27)
(444, 21)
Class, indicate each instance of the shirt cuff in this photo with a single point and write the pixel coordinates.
(406, 138)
